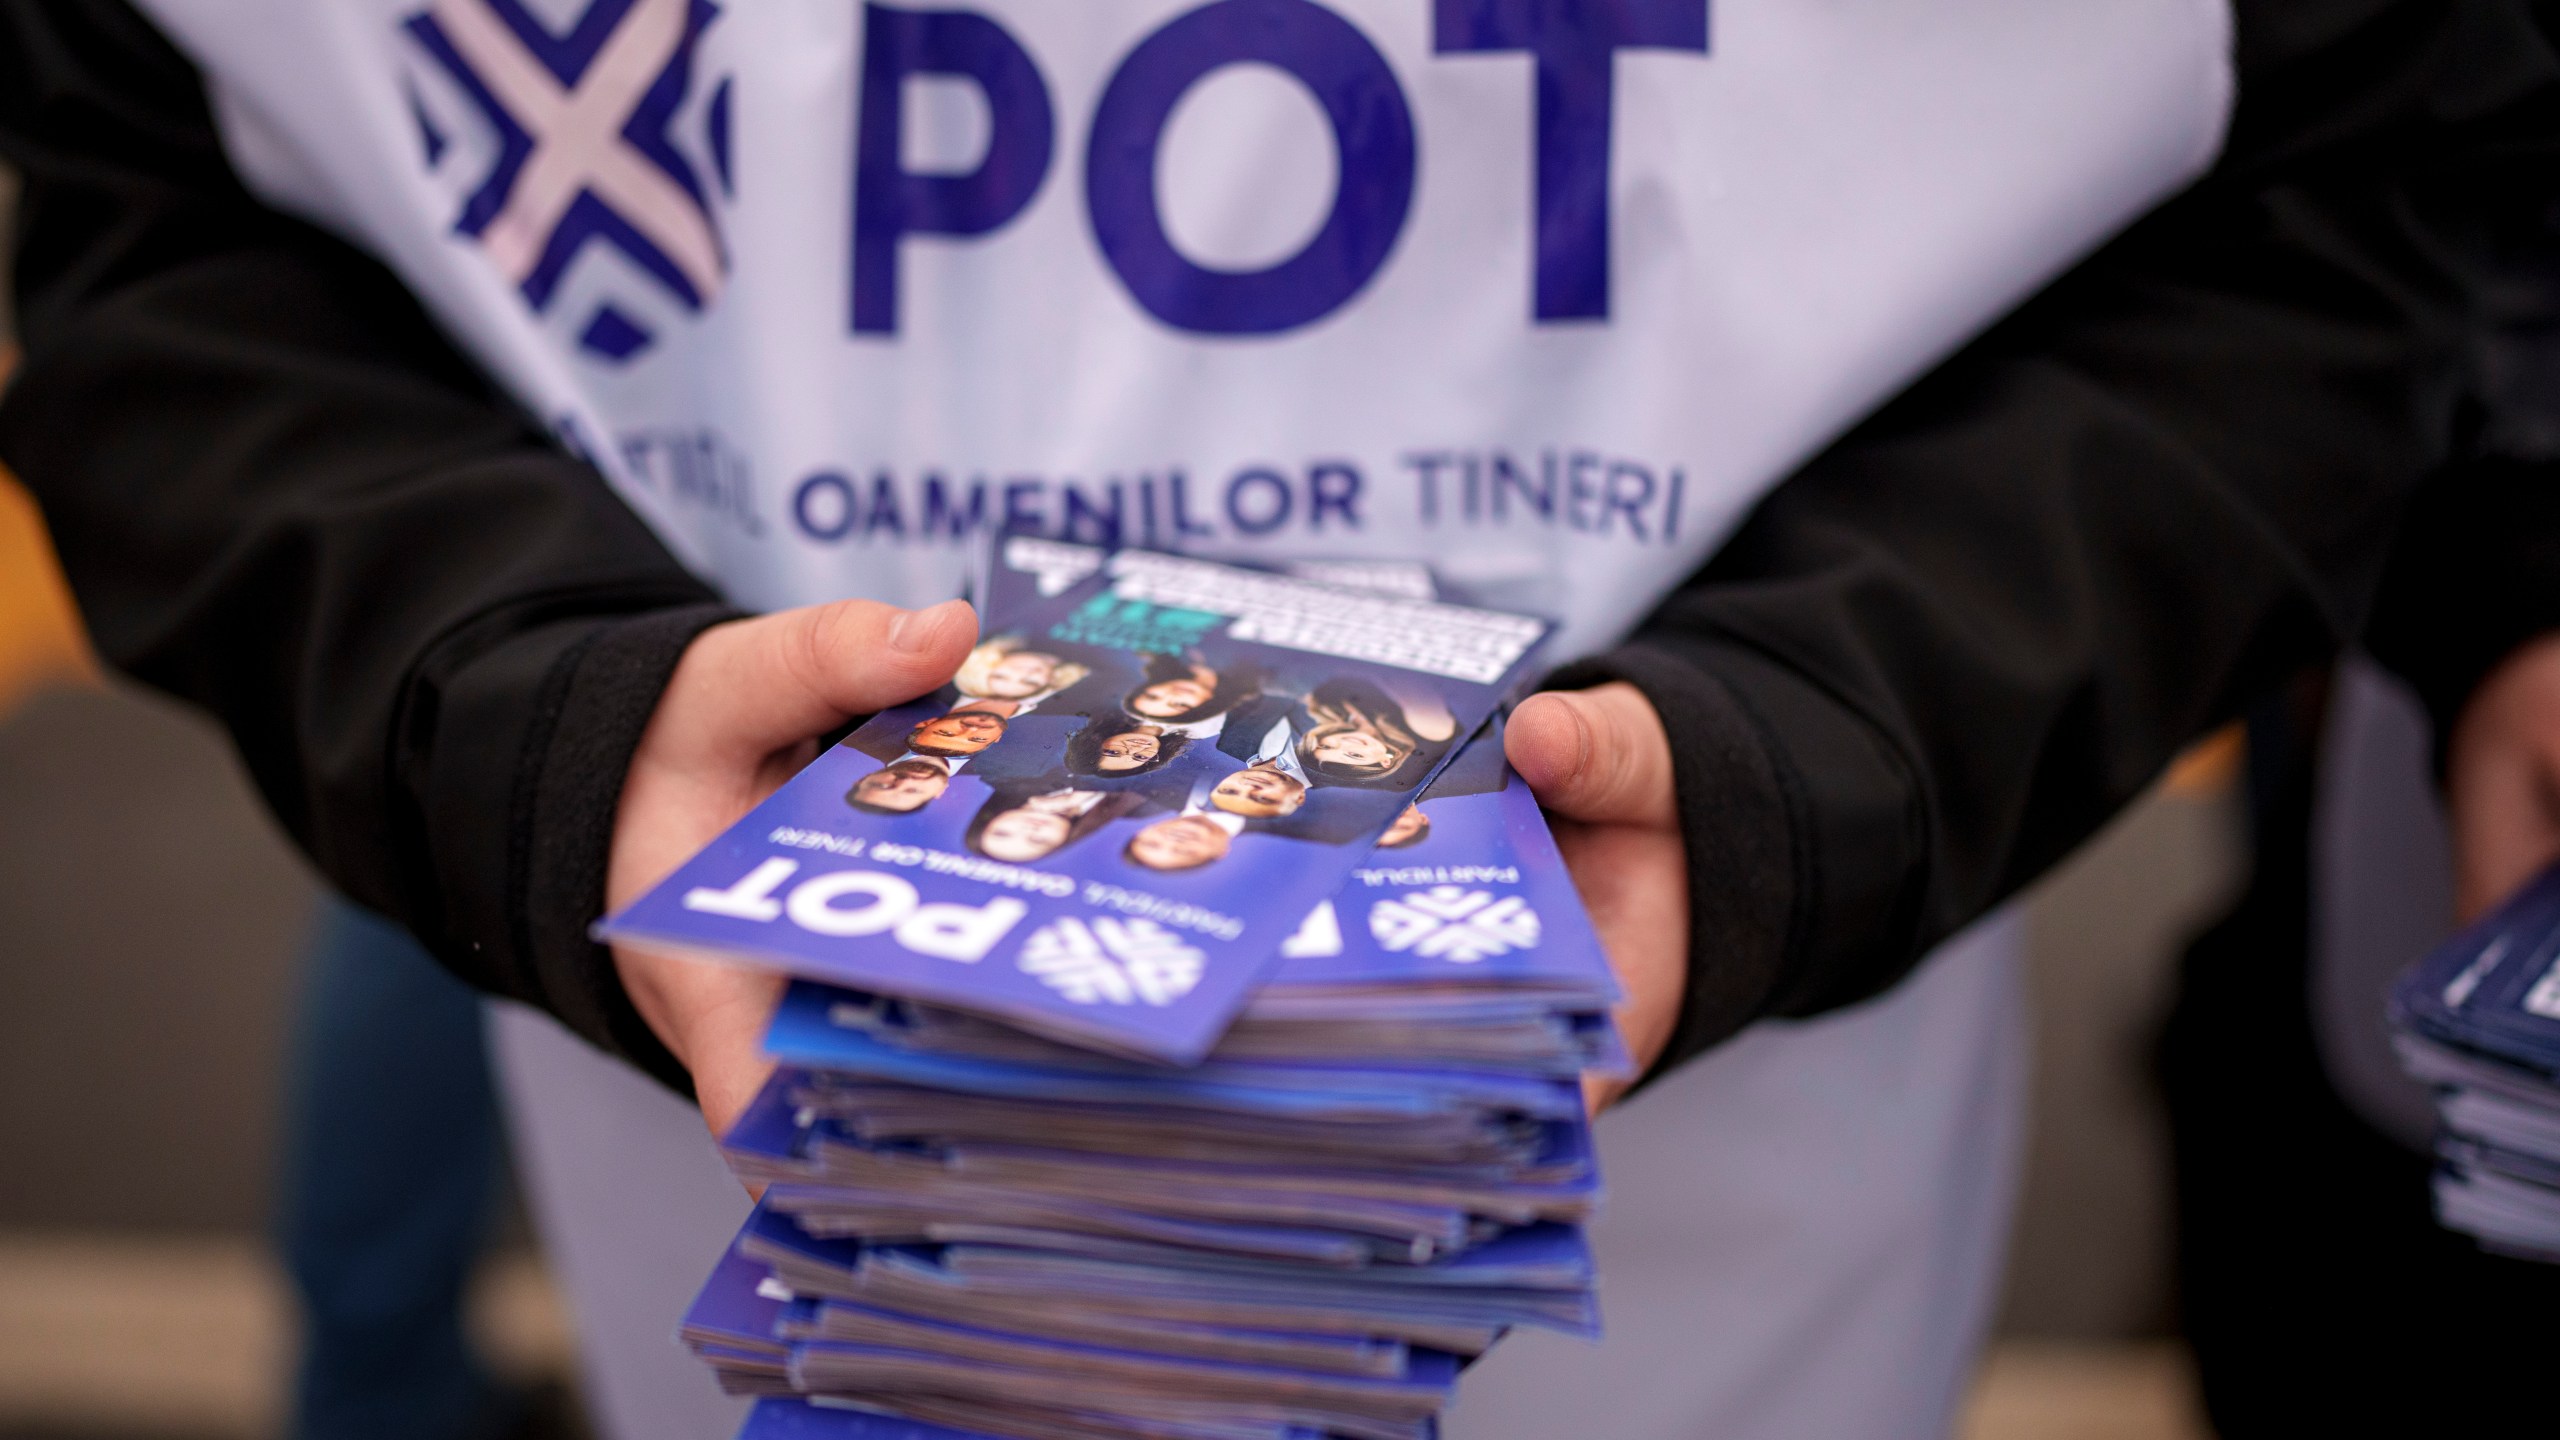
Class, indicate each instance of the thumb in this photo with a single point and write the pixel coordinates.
(1597, 755)
(2505, 813)
(799, 673)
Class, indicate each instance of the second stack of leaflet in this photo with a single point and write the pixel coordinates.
(1382, 1168)
(2479, 1020)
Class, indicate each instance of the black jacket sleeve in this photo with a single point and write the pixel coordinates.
(1959, 640)
(279, 492)
(1922, 670)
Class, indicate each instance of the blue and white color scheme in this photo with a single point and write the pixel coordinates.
(949, 297)
(1552, 290)
(1105, 828)
(565, 140)
(2478, 1021)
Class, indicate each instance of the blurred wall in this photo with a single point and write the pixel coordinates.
(149, 915)
(8, 294)
(148, 918)
(2091, 1253)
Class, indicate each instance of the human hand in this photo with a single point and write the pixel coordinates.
(1600, 763)
(2502, 778)
(744, 712)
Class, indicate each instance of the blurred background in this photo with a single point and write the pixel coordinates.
(150, 923)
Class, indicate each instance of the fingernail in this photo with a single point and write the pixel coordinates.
(914, 631)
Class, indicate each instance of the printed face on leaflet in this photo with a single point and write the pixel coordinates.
(1410, 827)
(1185, 691)
(1018, 828)
(899, 788)
(1353, 753)
(1021, 674)
(1129, 750)
(1181, 842)
(960, 733)
(1171, 699)
(1003, 671)
(1356, 733)
(1259, 792)
(1023, 834)
(1118, 749)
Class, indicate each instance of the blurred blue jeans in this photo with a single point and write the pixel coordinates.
(391, 1166)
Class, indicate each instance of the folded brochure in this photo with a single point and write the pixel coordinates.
(1106, 827)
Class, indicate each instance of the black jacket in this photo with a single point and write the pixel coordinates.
(1925, 668)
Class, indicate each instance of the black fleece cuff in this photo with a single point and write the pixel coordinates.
(1798, 883)
(520, 903)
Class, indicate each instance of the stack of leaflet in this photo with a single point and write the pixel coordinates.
(2480, 1020)
(985, 1215)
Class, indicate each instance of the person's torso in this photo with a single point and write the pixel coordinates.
(1546, 292)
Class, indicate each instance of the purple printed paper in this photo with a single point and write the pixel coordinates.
(1106, 826)
(1016, 572)
(1466, 888)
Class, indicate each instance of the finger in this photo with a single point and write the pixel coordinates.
(712, 1017)
(1599, 755)
(1634, 882)
(2506, 827)
(731, 1069)
(778, 679)
(2502, 778)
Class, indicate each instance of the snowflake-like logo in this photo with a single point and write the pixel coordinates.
(1459, 926)
(576, 139)
(1111, 961)
(1319, 935)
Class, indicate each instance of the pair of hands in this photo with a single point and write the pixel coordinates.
(743, 709)
(746, 704)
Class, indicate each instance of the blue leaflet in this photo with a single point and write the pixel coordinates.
(732, 1310)
(768, 1128)
(1377, 1169)
(1406, 1373)
(780, 1419)
(964, 1212)
(1533, 1257)
(818, 1027)
(1182, 1366)
(2479, 1019)
(1016, 572)
(1482, 899)
(769, 1235)
(2494, 989)
(1106, 827)
(1461, 945)
(804, 1151)
(866, 1323)
(1411, 913)
(1534, 1275)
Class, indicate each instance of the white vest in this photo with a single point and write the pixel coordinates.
(1546, 292)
